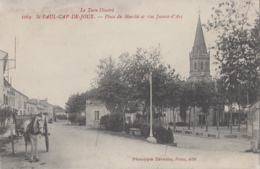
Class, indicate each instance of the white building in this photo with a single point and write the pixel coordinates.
(3, 61)
(253, 125)
(32, 106)
(48, 108)
(21, 103)
(94, 111)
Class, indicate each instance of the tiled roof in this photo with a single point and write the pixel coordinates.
(94, 102)
(45, 102)
(6, 83)
(58, 109)
(33, 101)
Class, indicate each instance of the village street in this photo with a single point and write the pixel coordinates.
(75, 147)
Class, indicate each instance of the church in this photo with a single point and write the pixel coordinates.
(199, 71)
(199, 59)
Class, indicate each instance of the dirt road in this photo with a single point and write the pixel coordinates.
(74, 147)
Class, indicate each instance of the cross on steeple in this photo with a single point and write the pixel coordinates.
(199, 11)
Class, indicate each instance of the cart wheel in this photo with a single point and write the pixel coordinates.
(46, 135)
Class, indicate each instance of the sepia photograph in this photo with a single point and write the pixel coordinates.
(141, 84)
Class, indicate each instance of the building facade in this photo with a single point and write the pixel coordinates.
(95, 109)
(47, 108)
(21, 103)
(3, 61)
(14, 99)
(59, 113)
(253, 124)
(32, 106)
(172, 116)
(199, 71)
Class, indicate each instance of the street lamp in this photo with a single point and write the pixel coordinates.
(258, 83)
(151, 138)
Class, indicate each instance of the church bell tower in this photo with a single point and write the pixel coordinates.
(199, 57)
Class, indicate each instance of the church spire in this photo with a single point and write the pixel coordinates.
(199, 58)
(199, 42)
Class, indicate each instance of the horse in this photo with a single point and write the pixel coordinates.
(32, 130)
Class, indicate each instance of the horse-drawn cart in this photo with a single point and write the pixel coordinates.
(19, 127)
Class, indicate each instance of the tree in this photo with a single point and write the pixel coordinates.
(204, 97)
(173, 89)
(124, 86)
(218, 98)
(184, 101)
(75, 104)
(187, 99)
(235, 48)
(236, 43)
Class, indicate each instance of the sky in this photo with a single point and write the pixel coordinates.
(56, 58)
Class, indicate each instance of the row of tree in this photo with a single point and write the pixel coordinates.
(124, 87)
(236, 47)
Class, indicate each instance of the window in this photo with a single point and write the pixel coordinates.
(195, 65)
(5, 100)
(201, 65)
(128, 119)
(96, 115)
(19, 105)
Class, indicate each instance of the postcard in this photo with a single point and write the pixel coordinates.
(102, 72)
